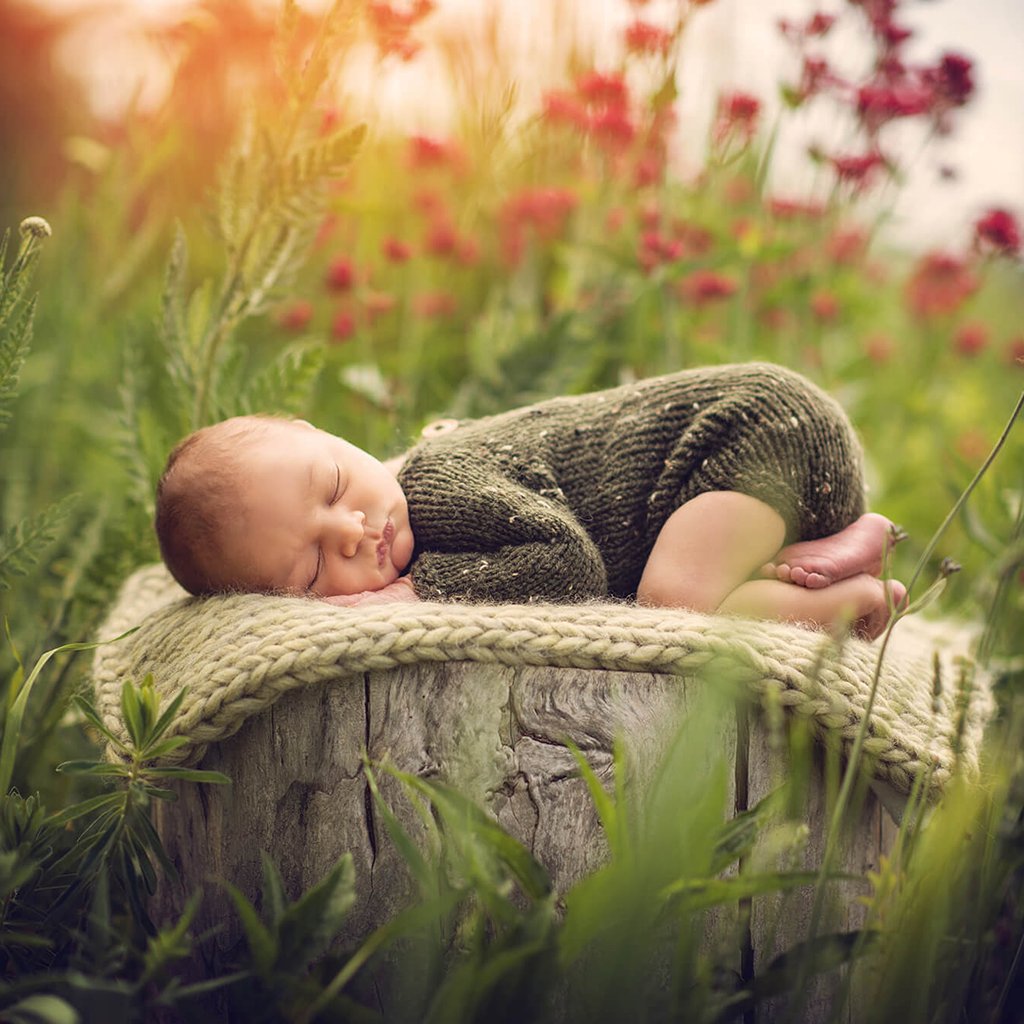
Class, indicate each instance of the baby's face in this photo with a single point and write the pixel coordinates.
(316, 515)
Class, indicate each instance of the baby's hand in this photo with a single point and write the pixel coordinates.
(400, 590)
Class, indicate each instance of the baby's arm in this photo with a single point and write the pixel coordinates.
(393, 593)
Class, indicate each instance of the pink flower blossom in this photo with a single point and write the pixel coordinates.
(395, 250)
(434, 305)
(295, 316)
(645, 38)
(824, 305)
(998, 231)
(343, 325)
(341, 275)
(703, 286)
(939, 285)
(970, 339)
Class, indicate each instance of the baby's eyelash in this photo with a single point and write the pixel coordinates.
(337, 485)
(319, 569)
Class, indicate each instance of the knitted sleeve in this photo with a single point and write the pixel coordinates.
(482, 536)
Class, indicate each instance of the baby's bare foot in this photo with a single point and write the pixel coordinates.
(873, 614)
(860, 548)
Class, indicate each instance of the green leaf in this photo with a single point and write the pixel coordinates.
(699, 893)
(93, 718)
(422, 871)
(168, 716)
(41, 1009)
(262, 943)
(168, 746)
(22, 544)
(189, 775)
(93, 768)
(738, 836)
(85, 807)
(273, 892)
(12, 727)
(308, 925)
(131, 713)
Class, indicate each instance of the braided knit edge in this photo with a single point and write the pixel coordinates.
(239, 654)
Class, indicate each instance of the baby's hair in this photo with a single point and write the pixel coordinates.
(198, 490)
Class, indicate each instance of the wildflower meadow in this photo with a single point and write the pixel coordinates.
(256, 241)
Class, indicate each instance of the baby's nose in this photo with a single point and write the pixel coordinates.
(351, 527)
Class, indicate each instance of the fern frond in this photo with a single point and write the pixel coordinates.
(128, 433)
(286, 383)
(325, 159)
(287, 24)
(22, 544)
(14, 345)
(15, 279)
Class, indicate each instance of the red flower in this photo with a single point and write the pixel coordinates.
(858, 170)
(343, 325)
(879, 348)
(396, 250)
(877, 104)
(787, 209)
(295, 316)
(545, 209)
(563, 108)
(468, 251)
(939, 284)
(737, 112)
(425, 151)
(435, 304)
(846, 245)
(655, 248)
(642, 37)
(391, 27)
(377, 304)
(824, 305)
(606, 90)
(953, 79)
(341, 275)
(442, 238)
(819, 24)
(970, 339)
(998, 231)
(704, 286)
(612, 127)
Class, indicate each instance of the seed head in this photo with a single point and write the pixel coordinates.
(35, 227)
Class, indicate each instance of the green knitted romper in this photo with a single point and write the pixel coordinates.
(563, 500)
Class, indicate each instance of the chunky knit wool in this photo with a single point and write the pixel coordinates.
(238, 654)
(564, 500)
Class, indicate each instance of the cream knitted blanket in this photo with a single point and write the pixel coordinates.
(238, 654)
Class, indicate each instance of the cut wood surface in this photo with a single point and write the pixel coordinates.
(498, 734)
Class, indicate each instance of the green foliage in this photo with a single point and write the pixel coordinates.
(496, 299)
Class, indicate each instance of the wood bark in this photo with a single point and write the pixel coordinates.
(499, 735)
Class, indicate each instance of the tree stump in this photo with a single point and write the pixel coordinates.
(498, 734)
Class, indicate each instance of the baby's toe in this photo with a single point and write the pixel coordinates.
(798, 576)
(767, 571)
(782, 572)
(816, 580)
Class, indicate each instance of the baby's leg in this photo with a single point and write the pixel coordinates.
(860, 548)
(708, 547)
(858, 601)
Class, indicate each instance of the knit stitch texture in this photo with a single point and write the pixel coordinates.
(238, 654)
(563, 500)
